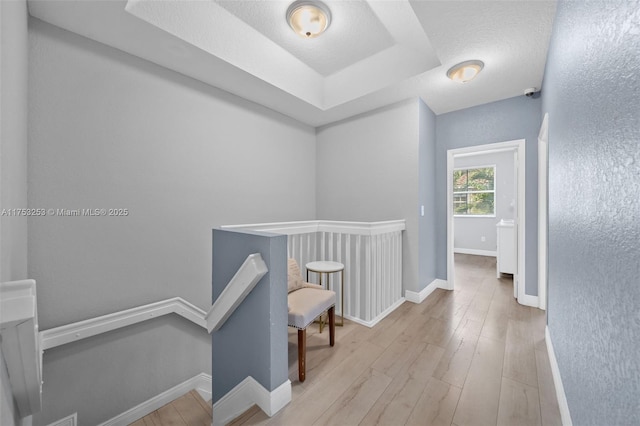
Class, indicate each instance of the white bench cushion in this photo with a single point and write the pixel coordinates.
(307, 303)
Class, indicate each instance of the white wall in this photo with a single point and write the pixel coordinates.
(468, 231)
(367, 170)
(13, 138)
(108, 130)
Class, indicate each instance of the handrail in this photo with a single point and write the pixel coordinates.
(20, 343)
(238, 288)
(91, 327)
(252, 269)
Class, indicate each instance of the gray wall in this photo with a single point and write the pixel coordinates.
(367, 170)
(253, 341)
(103, 376)
(594, 209)
(427, 250)
(510, 119)
(469, 230)
(13, 138)
(8, 410)
(108, 130)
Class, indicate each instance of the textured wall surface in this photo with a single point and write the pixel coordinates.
(13, 138)
(367, 170)
(253, 340)
(594, 208)
(427, 250)
(511, 119)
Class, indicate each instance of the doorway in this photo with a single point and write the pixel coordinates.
(518, 148)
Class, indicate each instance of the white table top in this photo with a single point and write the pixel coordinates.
(325, 266)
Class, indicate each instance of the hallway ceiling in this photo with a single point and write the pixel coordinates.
(375, 52)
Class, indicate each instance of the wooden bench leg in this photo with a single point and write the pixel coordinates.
(332, 325)
(302, 354)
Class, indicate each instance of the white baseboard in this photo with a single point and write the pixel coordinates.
(418, 297)
(565, 415)
(201, 383)
(476, 252)
(529, 300)
(247, 393)
(380, 317)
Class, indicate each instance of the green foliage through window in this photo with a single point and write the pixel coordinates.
(474, 191)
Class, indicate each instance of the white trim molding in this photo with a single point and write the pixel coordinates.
(379, 317)
(476, 252)
(565, 415)
(244, 280)
(529, 300)
(247, 393)
(341, 227)
(201, 383)
(517, 146)
(81, 330)
(419, 297)
(20, 344)
(543, 210)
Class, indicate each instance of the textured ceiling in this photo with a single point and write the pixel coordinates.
(375, 52)
(352, 21)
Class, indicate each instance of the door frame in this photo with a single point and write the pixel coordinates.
(543, 212)
(518, 146)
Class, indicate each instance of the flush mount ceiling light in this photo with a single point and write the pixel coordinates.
(465, 71)
(308, 19)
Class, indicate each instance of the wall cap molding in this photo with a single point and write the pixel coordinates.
(305, 227)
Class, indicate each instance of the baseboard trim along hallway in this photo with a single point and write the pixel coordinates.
(419, 297)
(565, 415)
(247, 393)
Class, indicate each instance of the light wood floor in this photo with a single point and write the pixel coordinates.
(472, 356)
(188, 410)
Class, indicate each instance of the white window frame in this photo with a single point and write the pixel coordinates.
(495, 183)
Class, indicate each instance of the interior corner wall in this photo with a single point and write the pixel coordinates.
(367, 170)
(594, 209)
(427, 250)
(111, 131)
(506, 120)
(13, 138)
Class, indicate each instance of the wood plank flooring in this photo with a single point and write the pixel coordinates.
(188, 410)
(472, 356)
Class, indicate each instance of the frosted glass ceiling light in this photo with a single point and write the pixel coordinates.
(465, 71)
(308, 18)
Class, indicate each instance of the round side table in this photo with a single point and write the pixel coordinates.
(326, 268)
